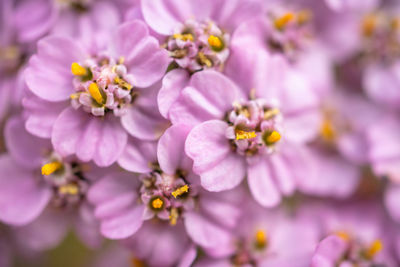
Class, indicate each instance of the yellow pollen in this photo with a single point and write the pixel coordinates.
(369, 25)
(183, 37)
(261, 238)
(51, 167)
(215, 42)
(327, 131)
(245, 135)
(157, 203)
(343, 235)
(282, 21)
(273, 137)
(74, 96)
(124, 84)
(173, 216)
(78, 70)
(375, 248)
(69, 189)
(181, 190)
(95, 93)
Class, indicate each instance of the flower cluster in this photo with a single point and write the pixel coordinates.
(202, 132)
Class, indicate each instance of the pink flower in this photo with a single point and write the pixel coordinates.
(104, 90)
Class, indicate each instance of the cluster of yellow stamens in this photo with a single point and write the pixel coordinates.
(181, 190)
(327, 130)
(374, 249)
(51, 167)
(282, 21)
(173, 216)
(369, 24)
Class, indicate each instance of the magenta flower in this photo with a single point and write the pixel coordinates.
(238, 133)
(167, 191)
(104, 91)
(42, 180)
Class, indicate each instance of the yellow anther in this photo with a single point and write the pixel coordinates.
(270, 113)
(375, 248)
(204, 60)
(78, 70)
(51, 167)
(173, 216)
(245, 135)
(74, 96)
(180, 191)
(327, 130)
(121, 60)
(282, 21)
(369, 25)
(122, 83)
(273, 137)
(260, 238)
(183, 37)
(157, 203)
(215, 42)
(304, 16)
(94, 91)
(343, 235)
(69, 189)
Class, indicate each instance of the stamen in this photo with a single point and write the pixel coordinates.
(327, 131)
(51, 167)
(74, 96)
(282, 21)
(270, 113)
(245, 135)
(180, 191)
(369, 25)
(204, 60)
(375, 248)
(272, 138)
(260, 239)
(78, 70)
(157, 203)
(183, 37)
(173, 216)
(216, 43)
(122, 83)
(69, 189)
(95, 93)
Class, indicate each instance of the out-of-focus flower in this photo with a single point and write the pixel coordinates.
(101, 88)
(356, 234)
(266, 238)
(42, 179)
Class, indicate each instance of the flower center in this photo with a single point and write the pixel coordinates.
(290, 32)
(198, 45)
(167, 196)
(67, 181)
(254, 126)
(102, 85)
(358, 252)
(380, 32)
